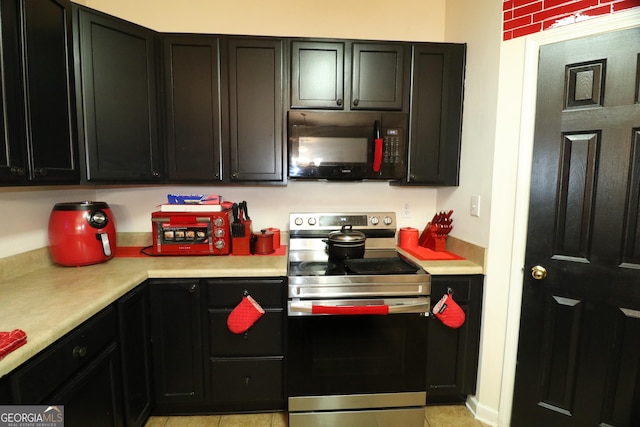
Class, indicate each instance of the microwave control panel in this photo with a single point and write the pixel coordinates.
(392, 146)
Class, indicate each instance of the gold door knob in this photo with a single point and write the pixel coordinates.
(539, 272)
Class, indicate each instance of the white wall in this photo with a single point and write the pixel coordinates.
(358, 19)
(270, 206)
(24, 215)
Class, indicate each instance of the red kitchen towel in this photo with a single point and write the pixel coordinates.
(9, 341)
(244, 315)
(449, 312)
(350, 309)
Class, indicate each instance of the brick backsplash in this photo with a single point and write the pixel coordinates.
(522, 17)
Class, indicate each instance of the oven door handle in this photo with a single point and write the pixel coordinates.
(338, 307)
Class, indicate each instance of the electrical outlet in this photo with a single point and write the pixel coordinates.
(475, 205)
(406, 210)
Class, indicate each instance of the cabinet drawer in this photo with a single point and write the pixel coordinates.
(263, 338)
(247, 381)
(464, 287)
(228, 293)
(46, 372)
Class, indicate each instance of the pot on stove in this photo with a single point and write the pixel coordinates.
(345, 243)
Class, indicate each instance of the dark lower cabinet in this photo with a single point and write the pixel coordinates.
(93, 397)
(117, 97)
(135, 350)
(436, 114)
(254, 77)
(246, 370)
(241, 384)
(452, 354)
(82, 371)
(200, 366)
(177, 345)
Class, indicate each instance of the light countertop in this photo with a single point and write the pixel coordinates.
(51, 301)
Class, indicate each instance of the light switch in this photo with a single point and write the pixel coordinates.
(475, 205)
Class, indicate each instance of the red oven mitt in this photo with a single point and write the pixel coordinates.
(9, 341)
(448, 311)
(244, 315)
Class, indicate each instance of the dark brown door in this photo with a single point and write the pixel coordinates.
(579, 351)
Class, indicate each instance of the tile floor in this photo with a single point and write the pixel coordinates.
(435, 416)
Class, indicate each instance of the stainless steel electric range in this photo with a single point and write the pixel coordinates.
(357, 327)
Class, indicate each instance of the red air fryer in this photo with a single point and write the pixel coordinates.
(81, 233)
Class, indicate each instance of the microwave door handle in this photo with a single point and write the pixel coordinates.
(377, 148)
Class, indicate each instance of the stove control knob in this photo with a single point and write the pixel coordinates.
(312, 221)
(298, 221)
(387, 220)
(375, 220)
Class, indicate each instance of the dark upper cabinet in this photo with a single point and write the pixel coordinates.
(452, 355)
(38, 112)
(317, 75)
(118, 96)
(254, 82)
(371, 78)
(13, 150)
(436, 114)
(192, 100)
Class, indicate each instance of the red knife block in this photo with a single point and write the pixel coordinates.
(430, 239)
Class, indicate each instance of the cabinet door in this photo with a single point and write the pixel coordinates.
(50, 104)
(13, 155)
(176, 333)
(93, 397)
(248, 384)
(118, 98)
(452, 354)
(377, 76)
(193, 108)
(256, 114)
(135, 349)
(436, 114)
(317, 75)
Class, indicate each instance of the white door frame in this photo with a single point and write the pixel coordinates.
(613, 22)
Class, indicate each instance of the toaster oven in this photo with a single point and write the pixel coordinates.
(191, 233)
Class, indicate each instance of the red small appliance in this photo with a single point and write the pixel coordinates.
(81, 233)
(191, 233)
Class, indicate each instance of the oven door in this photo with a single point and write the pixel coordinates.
(356, 353)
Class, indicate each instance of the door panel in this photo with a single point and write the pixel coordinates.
(578, 356)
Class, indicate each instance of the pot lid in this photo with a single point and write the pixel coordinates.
(347, 234)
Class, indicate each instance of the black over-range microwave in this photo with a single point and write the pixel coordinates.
(347, 145)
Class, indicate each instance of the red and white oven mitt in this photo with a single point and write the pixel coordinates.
(9, 341)
(448, 311)
(244, 315)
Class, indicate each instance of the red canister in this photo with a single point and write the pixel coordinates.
(263, 242)
(81, 233)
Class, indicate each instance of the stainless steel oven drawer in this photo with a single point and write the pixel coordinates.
(405, 417)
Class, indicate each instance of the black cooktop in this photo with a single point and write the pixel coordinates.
(382, 263)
